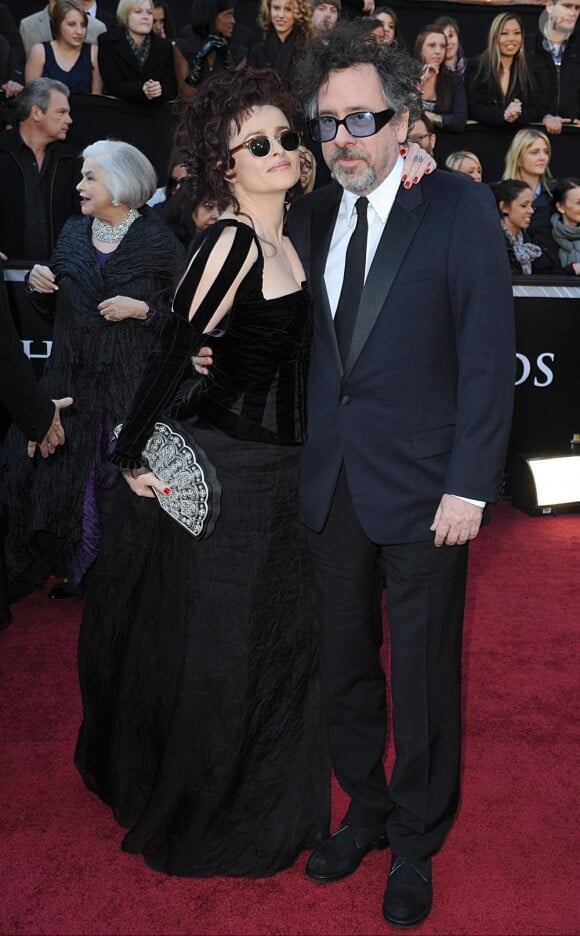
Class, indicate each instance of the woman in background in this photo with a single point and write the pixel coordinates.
(136, 64)
(211, 49)
(515, 205)
(499, 86)
(442, 91)
(100, 288)
(467, 162)
(454, 57)
(163, 24)
(528, 159)
(565, 225)
(186, 214)
(68, 57)
(307, 170)
(285, 25)
(390, 23)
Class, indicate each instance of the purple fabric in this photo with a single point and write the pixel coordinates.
(99, 480)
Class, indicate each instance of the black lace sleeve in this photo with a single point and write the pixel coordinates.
(225, 257)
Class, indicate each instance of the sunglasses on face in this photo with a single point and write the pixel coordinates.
(362, 124)
(259, 146)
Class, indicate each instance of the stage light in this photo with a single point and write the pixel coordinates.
(546, 484)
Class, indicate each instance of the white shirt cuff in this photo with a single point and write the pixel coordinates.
(476, 503)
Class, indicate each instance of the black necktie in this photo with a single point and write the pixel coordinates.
(353, 282)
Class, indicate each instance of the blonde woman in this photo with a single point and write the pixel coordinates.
(137, 65)
(499, 85)
(68, 57)
(466, 162)
(285, 24)
(528, 159)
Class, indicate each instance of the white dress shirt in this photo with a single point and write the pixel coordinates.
(381, 200)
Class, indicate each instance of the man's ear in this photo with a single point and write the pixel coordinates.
(36, 113)
(402, 125)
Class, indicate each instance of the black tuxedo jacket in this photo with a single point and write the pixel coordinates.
(122, 75)
(423, 405)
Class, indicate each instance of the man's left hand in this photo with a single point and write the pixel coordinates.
(456, 521)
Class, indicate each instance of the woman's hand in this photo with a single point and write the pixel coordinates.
(512, 111)
(203, 360)
(143, 484)
(152, 89)
(417, 163)
(41, 279)
(118, 308)
(430, 72)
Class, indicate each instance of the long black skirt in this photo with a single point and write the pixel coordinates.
(198, 670)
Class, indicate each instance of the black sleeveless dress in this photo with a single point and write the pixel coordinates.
(198, 659)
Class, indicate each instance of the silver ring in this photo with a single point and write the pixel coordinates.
(418, 159)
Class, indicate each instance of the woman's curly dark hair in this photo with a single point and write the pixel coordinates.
(205, 125)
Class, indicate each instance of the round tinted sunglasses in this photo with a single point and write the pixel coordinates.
(261, 145)
(362, 124)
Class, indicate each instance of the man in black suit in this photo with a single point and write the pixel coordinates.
(410, 397)
(28, 406)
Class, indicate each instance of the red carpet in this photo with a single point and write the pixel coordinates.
(509, 865)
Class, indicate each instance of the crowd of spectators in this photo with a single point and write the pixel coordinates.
(527, 83)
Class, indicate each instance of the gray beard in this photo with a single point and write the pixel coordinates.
(360, 184)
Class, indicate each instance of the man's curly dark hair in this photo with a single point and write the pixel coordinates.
(348, 45)
(205, 125)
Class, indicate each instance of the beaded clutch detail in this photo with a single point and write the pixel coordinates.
(174, 456)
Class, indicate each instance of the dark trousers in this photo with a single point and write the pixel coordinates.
(425, 601)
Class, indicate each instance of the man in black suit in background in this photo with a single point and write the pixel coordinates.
(409, 409)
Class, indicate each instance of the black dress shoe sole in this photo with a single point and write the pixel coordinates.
(341, 875)
(407, 924)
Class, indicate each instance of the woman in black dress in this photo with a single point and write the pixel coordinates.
(197, 659)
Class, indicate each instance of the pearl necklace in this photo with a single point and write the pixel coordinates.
(109, 233)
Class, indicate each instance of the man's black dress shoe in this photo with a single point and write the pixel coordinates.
(340, 854)
(409, 892)
(65, 590)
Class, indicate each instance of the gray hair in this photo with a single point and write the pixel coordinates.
(124, 8)
(348, 45)
(129, 176)
(37, 93)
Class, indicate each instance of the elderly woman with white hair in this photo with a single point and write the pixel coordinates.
(103, 288)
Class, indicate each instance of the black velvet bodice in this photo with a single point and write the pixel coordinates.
(256, 386)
